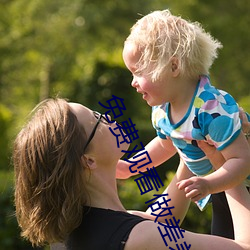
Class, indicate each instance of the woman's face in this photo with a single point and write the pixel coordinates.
(103, 143)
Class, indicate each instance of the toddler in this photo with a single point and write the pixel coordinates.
(170, 59)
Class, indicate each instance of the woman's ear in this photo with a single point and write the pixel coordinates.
(175, 66)
(90, 161)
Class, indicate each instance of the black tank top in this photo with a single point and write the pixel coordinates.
(102, 229)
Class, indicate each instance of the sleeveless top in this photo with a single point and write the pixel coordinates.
(102, 229)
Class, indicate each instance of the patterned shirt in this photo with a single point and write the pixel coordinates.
(213, 115)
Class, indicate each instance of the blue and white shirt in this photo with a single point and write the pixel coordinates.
(213, 115)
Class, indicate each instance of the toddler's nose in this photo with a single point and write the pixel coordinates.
(134, 83)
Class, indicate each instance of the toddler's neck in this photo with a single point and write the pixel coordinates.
(180, 106)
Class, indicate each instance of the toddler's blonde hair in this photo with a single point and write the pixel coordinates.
(161, 36)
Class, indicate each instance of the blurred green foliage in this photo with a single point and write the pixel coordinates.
(72, 48)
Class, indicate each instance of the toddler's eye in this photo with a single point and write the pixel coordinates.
(137, 73)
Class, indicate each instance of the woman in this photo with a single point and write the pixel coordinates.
(65, 187)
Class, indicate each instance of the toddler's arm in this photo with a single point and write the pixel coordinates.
(234, 171)
(178, 199)
(159, 151)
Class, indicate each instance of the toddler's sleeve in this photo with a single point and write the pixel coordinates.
(159, 121)
(219, 120)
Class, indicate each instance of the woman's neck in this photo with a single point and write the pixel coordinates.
(102, 189)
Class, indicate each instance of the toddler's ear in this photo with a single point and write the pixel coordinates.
(175, 66)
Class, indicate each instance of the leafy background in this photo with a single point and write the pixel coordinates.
(72, 48)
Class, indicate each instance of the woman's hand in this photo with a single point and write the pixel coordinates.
(245, 124)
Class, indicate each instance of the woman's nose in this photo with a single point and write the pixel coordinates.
(109, 118)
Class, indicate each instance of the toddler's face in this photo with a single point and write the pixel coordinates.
(152, 92)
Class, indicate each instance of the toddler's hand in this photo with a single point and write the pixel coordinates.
(194, 187)
(122, 170)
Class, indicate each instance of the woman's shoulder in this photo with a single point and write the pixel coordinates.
(145, 235)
